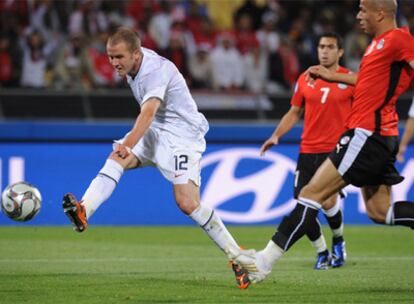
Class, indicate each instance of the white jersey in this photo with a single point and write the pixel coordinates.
(178, 114)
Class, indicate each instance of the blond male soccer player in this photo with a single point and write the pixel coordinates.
(326, 107)
(365, 154)
(168, 133)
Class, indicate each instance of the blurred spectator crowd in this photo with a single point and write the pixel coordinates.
(225, 45)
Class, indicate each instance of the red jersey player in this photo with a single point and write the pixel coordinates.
(365, 154)
(326, 107)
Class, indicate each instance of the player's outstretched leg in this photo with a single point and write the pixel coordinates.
(211, 223)
(187, 198)
(75, 211)
(291, 229)
(98, 191)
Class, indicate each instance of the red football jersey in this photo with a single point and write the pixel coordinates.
(327, 106)
(384, 74)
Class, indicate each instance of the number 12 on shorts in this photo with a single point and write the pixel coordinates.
(181, 162)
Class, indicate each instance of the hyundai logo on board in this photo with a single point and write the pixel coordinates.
(266, 184)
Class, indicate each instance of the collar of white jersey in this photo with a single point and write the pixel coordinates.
(146, 64)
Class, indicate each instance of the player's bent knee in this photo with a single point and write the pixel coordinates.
(186, 204)
(130, 162)
(376, 217)
(377, 220)
(376, 211)
(309, 192)
(330, 202)
(187, 207)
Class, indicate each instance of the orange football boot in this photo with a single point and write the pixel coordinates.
(75, 211)
(242, 278)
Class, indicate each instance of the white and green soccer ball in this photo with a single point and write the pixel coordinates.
(21, 201)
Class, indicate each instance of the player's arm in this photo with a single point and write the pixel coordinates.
(319, 71)
(286, 124)
(142, 123)
(405, 139)
(412, 64)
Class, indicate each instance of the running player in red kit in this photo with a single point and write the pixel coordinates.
(365, 154)
(326, 107)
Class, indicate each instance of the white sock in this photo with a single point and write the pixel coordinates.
(320, 244)
(102, 186)
(214, 227)
(339, 231)
(389, 219)
(270, 254)
(309, 203)
(332, 212)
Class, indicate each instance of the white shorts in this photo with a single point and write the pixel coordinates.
(178, 159)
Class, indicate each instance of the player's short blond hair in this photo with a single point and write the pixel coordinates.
(127, 35)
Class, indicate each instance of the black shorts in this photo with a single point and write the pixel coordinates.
(305, 168)
(364, 158)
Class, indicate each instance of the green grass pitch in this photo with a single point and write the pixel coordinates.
(181, 265)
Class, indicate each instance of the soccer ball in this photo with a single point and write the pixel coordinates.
(21, 201)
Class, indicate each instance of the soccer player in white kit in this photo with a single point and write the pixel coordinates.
(168, 134)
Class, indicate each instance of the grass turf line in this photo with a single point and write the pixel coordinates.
(181, 265)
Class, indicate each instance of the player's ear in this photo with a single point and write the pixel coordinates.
(340, 53)
(380, 15)
(137, 54)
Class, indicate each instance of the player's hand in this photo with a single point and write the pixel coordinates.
(268, 144)
(122, 151)
(401, 153)
(311, 74)
(317, 71)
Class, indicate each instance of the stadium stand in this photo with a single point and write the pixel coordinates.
(54, 64)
